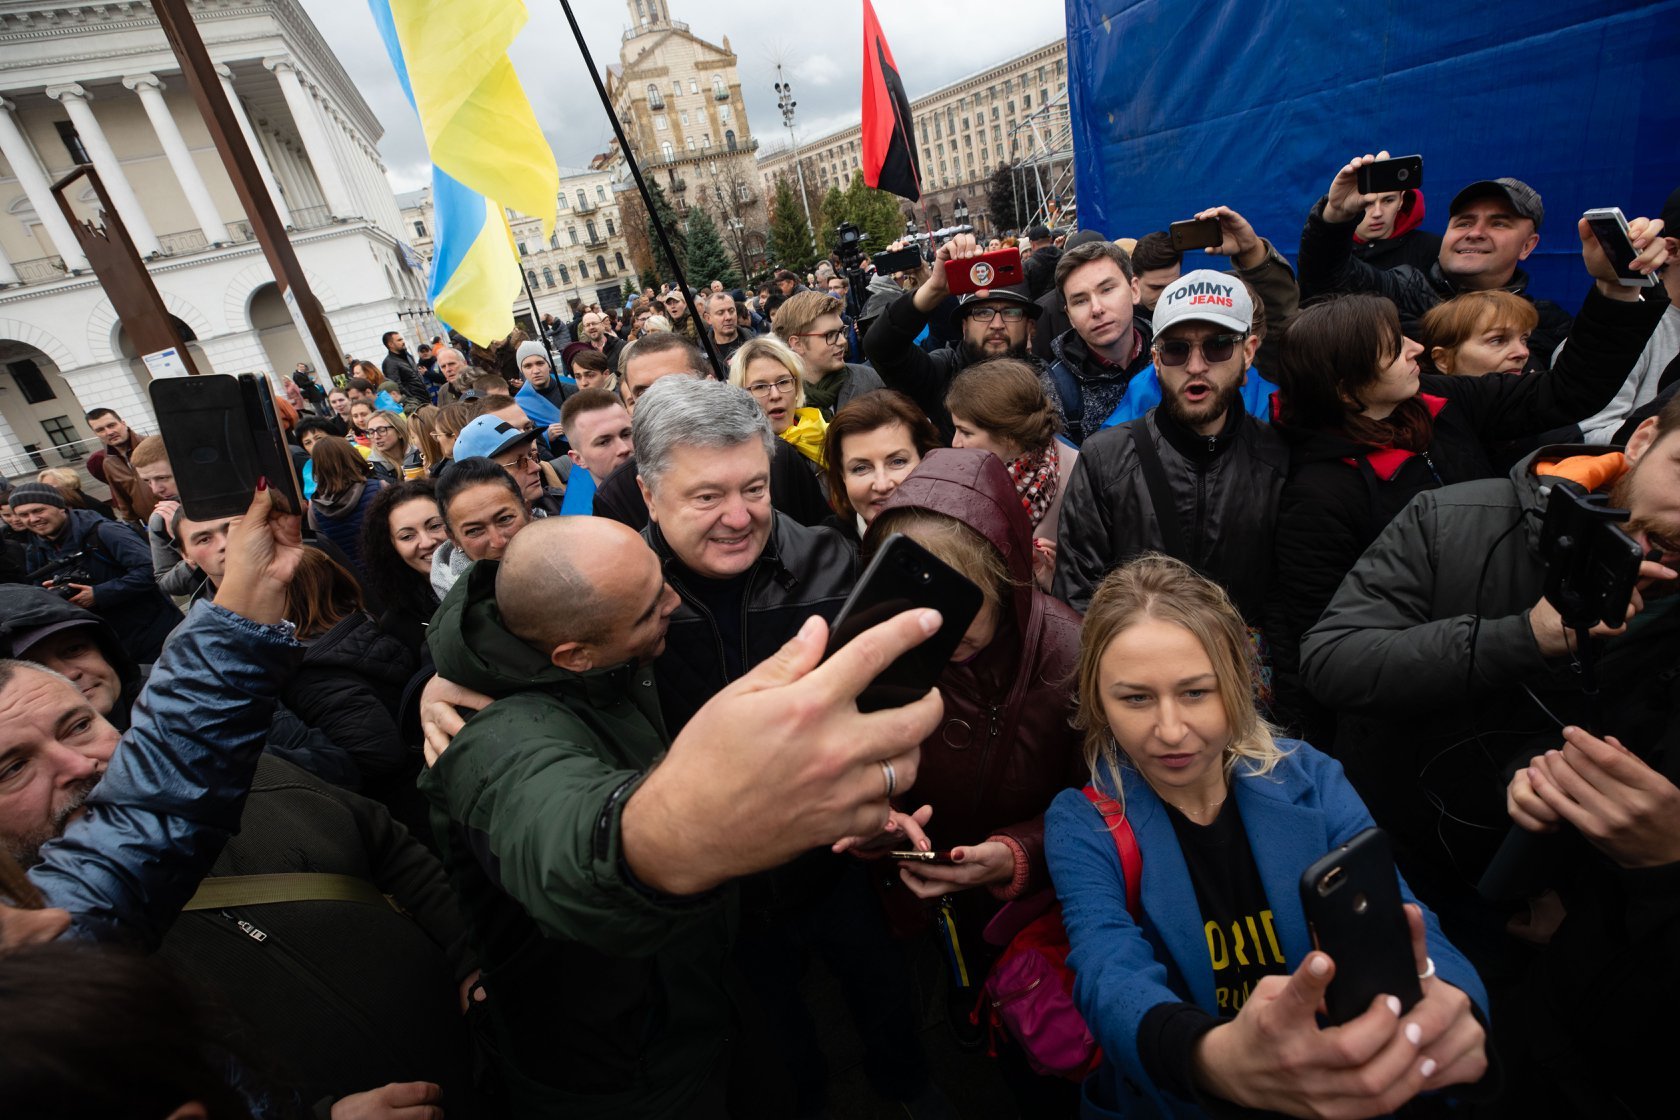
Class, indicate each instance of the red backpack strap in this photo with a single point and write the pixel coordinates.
(1125, 842)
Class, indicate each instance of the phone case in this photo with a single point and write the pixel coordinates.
(1197, 233)
(997, 269)
(1351, 898)
(222, 435)
(1610, 227)
(1402, 173)
(904, 575)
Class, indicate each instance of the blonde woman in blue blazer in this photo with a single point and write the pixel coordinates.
(1210, 998)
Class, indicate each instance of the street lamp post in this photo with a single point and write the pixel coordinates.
(786, 103)
(961, 212)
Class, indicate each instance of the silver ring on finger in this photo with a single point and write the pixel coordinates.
(892, 778)
(1429, 968)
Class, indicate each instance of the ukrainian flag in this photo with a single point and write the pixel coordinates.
(488, 152)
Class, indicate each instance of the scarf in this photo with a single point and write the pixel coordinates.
(1036, 475)
(806, 434)
(825, 394)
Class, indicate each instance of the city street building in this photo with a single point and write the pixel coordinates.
(98, 84)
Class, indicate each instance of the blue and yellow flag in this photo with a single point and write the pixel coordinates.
(488, 152)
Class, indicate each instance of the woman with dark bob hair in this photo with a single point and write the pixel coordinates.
(872, 445)
(401, 532)
(1367, 431)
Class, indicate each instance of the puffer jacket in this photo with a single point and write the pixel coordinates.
(1340, 493)
(1429, 724)
(1007, 744)
(340, 519)
(607, 999)
(1225, 494)
(1328, 264)
(117, 562)
(349, 687)
(338, 996)
(801, 572)
(176, 786)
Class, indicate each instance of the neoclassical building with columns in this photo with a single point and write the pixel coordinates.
(98, 84)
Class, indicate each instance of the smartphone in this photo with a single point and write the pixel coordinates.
(1611, 229)
(1403, 173)
(222, 434)
(907, 259)
(941, 858)
(997, 269)
(1197, 233)
(1351, 898)
(904, 575)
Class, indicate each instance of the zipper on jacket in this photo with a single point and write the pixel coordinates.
(992, 728)
(1430, 463)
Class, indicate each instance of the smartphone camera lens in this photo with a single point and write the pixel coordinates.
(925, 576)
(1361, 904)
(1404, 174)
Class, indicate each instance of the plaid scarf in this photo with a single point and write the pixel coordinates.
(1036, 475)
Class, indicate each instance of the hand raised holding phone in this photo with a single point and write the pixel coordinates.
(1344, 202)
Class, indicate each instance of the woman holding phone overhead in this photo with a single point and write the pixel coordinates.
(1209, 996)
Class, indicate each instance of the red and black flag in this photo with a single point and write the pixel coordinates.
(889, 145)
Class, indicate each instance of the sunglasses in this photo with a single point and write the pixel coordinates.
(1214, 348)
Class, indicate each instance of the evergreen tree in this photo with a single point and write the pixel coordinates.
(1009, 207)
(708, 260)
(790, 235)
(875, 213)
(665, 218)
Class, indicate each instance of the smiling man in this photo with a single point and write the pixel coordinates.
(1492, 227)
(1196, 477)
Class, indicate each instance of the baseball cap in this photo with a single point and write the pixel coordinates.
(25, 640)
(1524, 199)
(489, 436)
(1010, 294)
(1205, 296)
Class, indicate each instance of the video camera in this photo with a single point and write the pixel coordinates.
(60, 574)
(1592, 565)
(849, 247)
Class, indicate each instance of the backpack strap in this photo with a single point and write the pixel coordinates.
(1125, 842)
(220, 892)
(1160, 490)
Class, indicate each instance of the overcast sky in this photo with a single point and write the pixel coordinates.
(819, 46)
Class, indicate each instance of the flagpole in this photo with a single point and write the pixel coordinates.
(705, 336)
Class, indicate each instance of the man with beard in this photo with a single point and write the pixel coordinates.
(1196, 477)
(996, 323)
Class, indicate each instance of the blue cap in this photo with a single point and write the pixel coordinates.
(489, 436)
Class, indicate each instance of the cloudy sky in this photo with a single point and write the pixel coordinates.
(818, 45)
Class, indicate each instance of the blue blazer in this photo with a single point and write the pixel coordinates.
(1294, 815)
(1144, 393)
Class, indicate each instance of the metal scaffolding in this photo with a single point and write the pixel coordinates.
(1048, 165)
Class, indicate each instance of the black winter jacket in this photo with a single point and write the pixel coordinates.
(1040, 270)
(1416, 247)
(1328, 264)
(1340, 494)
(1428, 733)
(401, 369)
(338, 997)
(117, 562)
(1225, 490)
(801, 572)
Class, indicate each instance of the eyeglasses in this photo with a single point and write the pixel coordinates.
(1010, 314)
(529, 453)
(1214, 348)
(784, 386)
(831, 338)
(381, 430)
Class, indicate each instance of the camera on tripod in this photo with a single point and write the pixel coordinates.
(849, 247)
(1592, 564)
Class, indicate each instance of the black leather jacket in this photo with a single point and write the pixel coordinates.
(1225, 487)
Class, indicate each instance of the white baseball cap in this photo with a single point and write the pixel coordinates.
(1205, 296)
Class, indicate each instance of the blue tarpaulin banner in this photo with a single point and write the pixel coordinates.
(1189, 104)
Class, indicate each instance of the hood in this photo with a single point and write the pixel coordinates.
(975, 488)
(29, 608)
(1410, 217)
(470, 646)
(1314, 445)
(1527, 482)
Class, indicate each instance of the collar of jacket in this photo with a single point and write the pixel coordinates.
(1070, 349)
(1444, 286)
(1194, 446)
(1387, 461)
(1527, 481)
(769, 560)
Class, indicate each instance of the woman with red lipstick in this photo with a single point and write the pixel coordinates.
(1209, 996)
(871, 446)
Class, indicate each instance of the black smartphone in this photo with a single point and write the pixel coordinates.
(913, 856)
(1403, 173)
(1611, 230)
(907, 259)
(902, 576)
(1197, 233)
(222, 434)
(1351, 898)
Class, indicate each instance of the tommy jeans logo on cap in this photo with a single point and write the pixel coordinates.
(1206, 296)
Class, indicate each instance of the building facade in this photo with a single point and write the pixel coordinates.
(1012, 113)
(98, 84)
(679, 100)
(585, 261)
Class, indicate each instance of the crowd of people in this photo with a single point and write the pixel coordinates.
(513, 777)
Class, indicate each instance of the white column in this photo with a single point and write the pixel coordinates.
(76, 100)
(256, 147)
(315, 141)
(150, 89)
(26, 165)
(8, 274)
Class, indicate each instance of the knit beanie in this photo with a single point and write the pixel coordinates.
(38, 494)
(526, 349)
